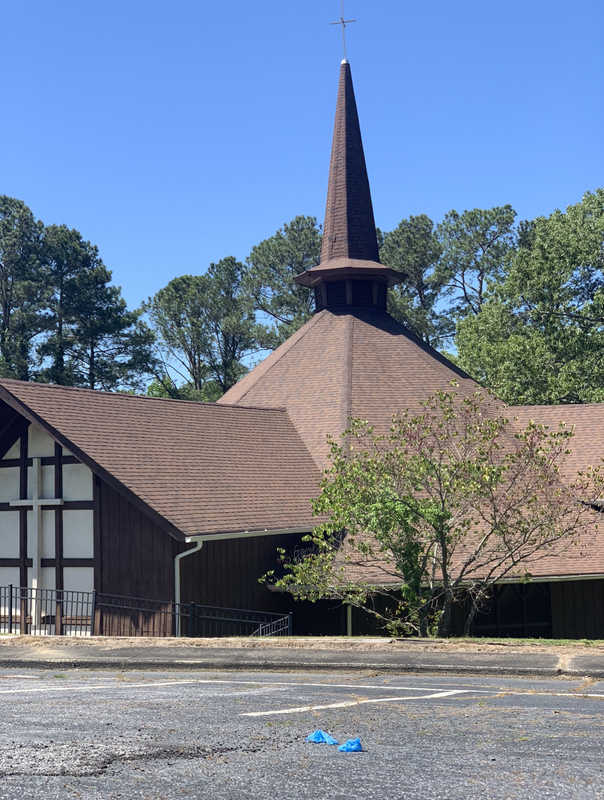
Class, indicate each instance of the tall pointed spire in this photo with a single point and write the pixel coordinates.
(350, 272)
(349, 230)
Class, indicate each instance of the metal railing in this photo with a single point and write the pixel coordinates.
(210, 622)
(46, 612)
(56, 612)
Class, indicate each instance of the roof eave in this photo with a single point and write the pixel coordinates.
(217, 537)
(313, 277)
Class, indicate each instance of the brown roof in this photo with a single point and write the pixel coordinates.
(587, 444)
(587, 449)
(362, 363)
(346, 362)
(197, 468)
(349, 229)
(350, 245)
(585, 559)
(342, 268)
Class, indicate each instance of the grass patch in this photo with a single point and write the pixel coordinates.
(543, 642)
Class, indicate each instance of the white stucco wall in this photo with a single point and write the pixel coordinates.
(78, 524)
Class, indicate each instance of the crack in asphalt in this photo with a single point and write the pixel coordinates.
(29, 755)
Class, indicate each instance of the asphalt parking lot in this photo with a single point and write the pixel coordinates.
(95, 735)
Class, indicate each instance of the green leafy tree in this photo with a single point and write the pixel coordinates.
(476, 249)
(177, 315)
(206, 328)
(539, 337)
(272, 266)
(452, 500)
(413, 249)
(23, 287)
(166, 387)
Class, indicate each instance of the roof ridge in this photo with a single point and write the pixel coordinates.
(559, 405)
(426, 357)
(264, 367)
(8, 382)
(431, 354)
(346, 409)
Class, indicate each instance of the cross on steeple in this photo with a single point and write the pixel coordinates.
(343, 22)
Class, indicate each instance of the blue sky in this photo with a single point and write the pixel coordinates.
(175, 134)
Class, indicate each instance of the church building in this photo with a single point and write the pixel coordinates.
(110, 491)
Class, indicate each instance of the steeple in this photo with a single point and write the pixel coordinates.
(349, 229)
(349, 272)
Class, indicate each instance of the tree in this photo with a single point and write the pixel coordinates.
(206, 328)
(453, 499)
(413, 249)
(166, 387)
(539, 337)
(273, 265)
(91, 339)
(177, 315)
(23, 287)
(476, 249)
(64, 255)
(109, 347)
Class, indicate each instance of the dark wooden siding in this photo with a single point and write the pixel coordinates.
(136, 556)
(578, 609)
(226, 574)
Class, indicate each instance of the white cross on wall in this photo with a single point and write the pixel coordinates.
(36, 503)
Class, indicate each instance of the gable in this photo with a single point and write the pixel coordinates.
(66, 535)
(193, 468)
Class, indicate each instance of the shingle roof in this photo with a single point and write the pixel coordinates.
(356, 362)
(587, 449)
(363, 363)
(201, 468)
(349, 229)
(587, 444)
(349, 245)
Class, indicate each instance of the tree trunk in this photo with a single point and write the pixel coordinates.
(91, 369)
(423, 620)
(444, 623)
(470, 618)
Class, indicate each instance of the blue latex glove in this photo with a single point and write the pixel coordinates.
(320, 737)
(351, 746)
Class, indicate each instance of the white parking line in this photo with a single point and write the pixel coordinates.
(260, 685)
(90, 688)
(349, 703)
(255, 684)
(382, 687)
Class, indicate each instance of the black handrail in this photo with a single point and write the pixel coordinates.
(51, 612)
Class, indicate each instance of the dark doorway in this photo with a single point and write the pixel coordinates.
(516, 610)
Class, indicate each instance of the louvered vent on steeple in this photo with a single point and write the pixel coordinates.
(336, 293)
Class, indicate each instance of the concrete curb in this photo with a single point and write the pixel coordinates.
(218, 666)
(221, 663)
